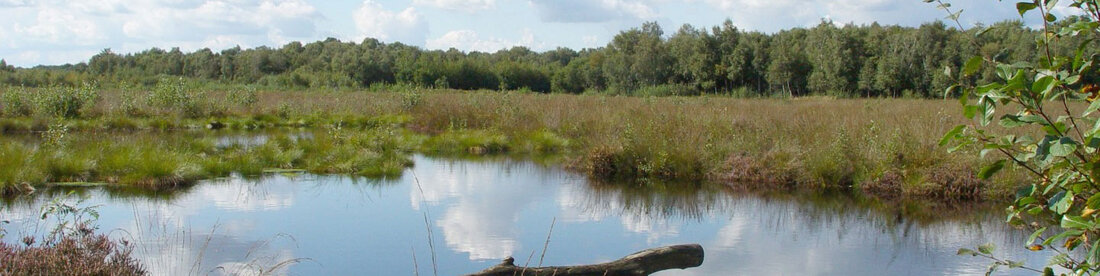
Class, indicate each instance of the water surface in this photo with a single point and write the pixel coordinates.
(471, 214)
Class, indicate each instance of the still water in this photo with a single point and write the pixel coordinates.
(471, 214)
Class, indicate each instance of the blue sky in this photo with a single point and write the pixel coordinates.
(34, 32)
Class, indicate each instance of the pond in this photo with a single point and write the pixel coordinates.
(466, 215)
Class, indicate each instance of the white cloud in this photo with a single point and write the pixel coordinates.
(36, 32)
(13, 3)
(374, 21)
(60, 30)
(52, 25)
(470, 6)
(763, 14)
(469, 40)
(594, 11)
(591, 41)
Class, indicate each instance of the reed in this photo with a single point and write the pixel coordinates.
(883, 147)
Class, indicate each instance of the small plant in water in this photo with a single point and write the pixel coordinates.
(72, 248)
(55, 134)
(70, 217)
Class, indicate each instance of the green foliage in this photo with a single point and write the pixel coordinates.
(64, 102)
(15, 102)
(173, 95)
(828, 59)
(1056, 139)
(242, 97)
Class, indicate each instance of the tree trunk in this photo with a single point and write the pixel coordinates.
(644, 262)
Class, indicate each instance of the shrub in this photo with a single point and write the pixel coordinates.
(65, 102)
(242, 97)
(173, 95)
(83, 253)
(1057, 145)
(15, 102)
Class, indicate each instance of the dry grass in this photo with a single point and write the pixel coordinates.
(887, 145)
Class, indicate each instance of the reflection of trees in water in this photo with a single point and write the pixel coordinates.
(652, 199)
(809, 213)
(901, 220)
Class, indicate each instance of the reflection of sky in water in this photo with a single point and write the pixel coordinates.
(481, 212)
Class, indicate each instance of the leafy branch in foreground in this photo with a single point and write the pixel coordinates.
(1044, 127)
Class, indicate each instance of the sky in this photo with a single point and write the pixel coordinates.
(52, 32)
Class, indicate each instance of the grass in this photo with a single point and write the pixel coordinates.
(166, 161)
(880, 147)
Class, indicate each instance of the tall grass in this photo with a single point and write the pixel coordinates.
(157, 161)
(885, 147)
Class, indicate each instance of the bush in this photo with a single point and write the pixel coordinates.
(15, 102)
(82, 253)
(173, 95)
(1057, 145)
(242, 97)
(65, 102)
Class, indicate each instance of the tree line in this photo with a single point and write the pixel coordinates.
(827, 59)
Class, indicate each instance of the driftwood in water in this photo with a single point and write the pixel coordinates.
(644, 262)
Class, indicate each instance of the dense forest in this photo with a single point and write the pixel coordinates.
(844, 61)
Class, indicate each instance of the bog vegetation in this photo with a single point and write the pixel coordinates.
(814, 144)
(151, 119)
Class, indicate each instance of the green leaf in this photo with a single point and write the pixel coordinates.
(1060, 202)
(970, 111)
(950, 89)
(972, 66)
(1011, 121)
(1063, 147)
(1042, 149)
(987, 248)
(1047, 271)
(1051, 4)
(1094, 201)
(1014, 264)
(954, 15)
(991, 169)
(983, 31)
(1075, 222)
(966, 251)
(1035, 235)
(1024, 7)
(1025, 191)
(1092, 108)
(1043, 86)
(988, 109)
(1026, 201)
(951, 135)
(1063, 235)
(1072, 80)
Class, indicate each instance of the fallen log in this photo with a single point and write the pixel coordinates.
(644, 262)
